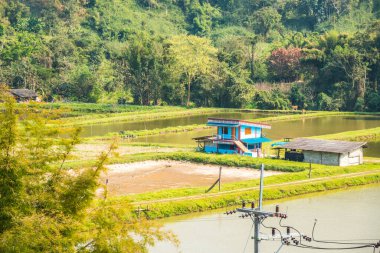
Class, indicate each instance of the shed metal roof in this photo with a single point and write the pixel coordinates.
(330, 146)
(235, 122)
(24, 93)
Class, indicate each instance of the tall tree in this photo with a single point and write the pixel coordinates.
(145, 69)
(265, 20)
(192, 56)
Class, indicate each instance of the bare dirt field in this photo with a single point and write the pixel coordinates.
(147, 176)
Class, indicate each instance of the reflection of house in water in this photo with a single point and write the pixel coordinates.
(24, 95)
(234, 137)
(329, 152)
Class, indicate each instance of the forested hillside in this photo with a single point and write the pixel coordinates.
(316, 54)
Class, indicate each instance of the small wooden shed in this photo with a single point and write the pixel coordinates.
(24, 95)
(328, 152)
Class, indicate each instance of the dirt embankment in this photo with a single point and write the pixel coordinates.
(147, 176)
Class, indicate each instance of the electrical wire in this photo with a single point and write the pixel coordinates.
(279, 223)
(361, 246)
(249, 235)
(336, 242)
(325, 248)
(282, 242)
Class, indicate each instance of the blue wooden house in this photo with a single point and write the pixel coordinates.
(234, 137)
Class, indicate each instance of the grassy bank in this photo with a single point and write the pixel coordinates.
(92, 110)
(158, 131)
(198, 157)
(318, 172)
(163, 113)
(358, 135)
(167, 209)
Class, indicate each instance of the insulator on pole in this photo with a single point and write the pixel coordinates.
(273, 231)
(288, 230)
(253, 204)
(277, 208)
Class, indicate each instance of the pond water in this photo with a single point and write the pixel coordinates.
(373, 149)
(102, 129)
(292, 129)
(342, 215)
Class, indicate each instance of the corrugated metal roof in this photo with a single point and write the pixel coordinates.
(24, 93)
(330, 146)
(217, 121)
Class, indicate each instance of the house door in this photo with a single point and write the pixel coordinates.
(233, 133)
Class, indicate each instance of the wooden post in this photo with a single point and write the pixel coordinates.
(106, 190)
(309, 170)
(220, 176)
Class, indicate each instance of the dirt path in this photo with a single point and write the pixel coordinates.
(300, 182)
(148, 176)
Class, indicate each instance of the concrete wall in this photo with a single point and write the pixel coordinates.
(321, 158)
(225, 136)
(255, 132)
(353, 158)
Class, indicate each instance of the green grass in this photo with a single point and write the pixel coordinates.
(167, 209)
(162, 113)
(157, 131)
(198, 157)
(358, 135)
(318, 171)
(82, 109)
(311, 114)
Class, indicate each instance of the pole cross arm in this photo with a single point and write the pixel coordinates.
(258, 212)
(278, 237)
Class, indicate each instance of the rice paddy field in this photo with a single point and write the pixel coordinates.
(156, 162)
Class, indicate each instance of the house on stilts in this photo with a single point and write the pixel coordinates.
(234, 137)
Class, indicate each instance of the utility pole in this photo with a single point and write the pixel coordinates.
(257, 218)
(297, 239)
(258, 214)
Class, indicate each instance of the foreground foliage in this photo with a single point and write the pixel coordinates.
(46, 208)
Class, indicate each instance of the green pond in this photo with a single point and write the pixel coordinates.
(292, 129)
(350, 216)
(103, 129)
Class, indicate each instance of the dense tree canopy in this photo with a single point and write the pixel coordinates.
(131, 51)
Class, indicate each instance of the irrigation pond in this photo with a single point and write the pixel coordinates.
(350, 215)
(102, 129)
(292, 129)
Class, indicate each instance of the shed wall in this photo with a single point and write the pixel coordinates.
(321, 158)
(352, 158)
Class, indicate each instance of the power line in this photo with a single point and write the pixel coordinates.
(249, 235)
(258, 216)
